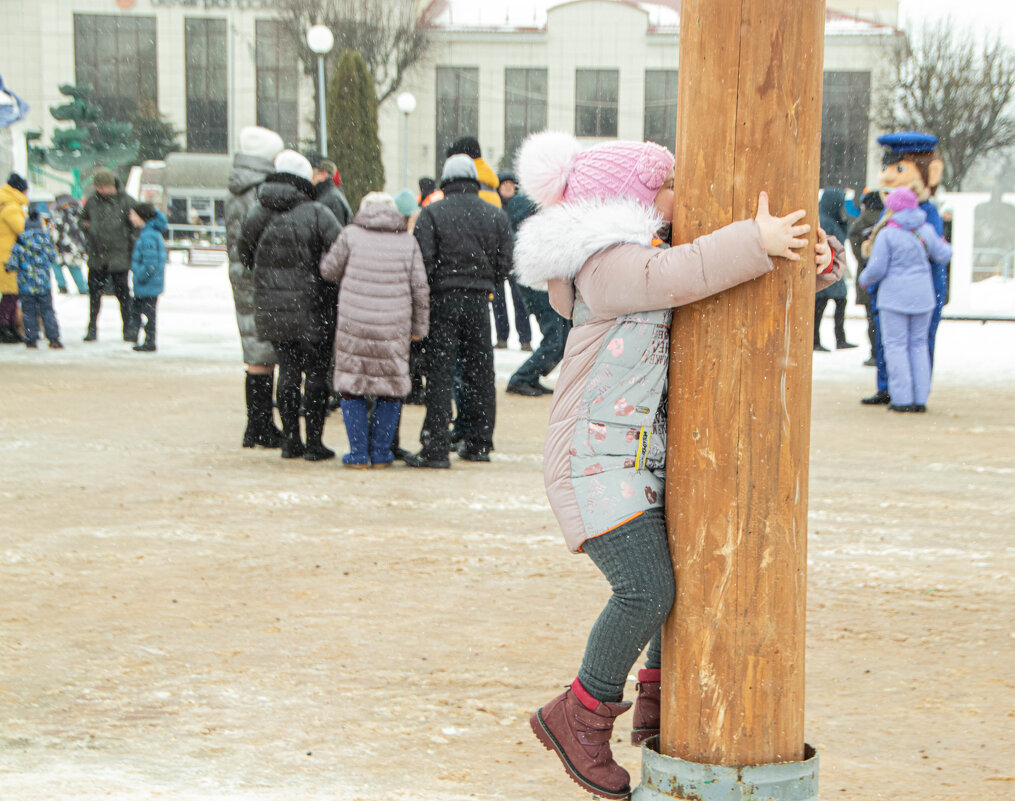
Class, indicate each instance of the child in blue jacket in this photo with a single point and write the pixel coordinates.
(32, 258)
(148, 265)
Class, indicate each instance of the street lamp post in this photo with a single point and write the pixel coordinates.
(321, 40)
(406, 104)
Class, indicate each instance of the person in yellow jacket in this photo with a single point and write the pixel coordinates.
(488, 181)
(13, 211)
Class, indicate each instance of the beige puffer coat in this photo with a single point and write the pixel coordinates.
(596, 481)
(383, 300)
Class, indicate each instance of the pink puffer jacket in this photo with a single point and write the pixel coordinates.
(604, 457)
(383, 300)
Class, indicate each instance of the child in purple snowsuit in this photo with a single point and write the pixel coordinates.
(900, 268)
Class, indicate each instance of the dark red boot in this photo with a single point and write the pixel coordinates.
(646, 706)
(581, 738)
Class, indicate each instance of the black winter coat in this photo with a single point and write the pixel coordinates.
(334, 198)
(465, 241)
(283, 239)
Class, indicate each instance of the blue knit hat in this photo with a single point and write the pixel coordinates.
(405, 202)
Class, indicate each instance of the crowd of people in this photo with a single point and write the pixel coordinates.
(121, 239)
(387, 305)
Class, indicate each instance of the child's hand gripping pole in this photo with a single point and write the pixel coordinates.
(781, 235)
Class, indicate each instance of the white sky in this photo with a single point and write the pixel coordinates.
(981, 15)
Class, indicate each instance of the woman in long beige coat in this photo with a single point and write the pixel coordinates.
(383, 303)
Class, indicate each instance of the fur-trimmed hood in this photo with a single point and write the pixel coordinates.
(556, 242)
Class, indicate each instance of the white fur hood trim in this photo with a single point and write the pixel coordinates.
(556, 242)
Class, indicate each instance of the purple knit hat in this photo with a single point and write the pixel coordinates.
(553, 168)
(901, 199)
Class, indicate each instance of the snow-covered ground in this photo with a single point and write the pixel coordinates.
(197, 331)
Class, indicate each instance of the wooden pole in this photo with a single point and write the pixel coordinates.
(748, 118)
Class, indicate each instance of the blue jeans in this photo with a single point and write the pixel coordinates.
(500, 315)
(554, 329)
(939, 272)
(879, 345)
(32, 306)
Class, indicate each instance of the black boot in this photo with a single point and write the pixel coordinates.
(316, 403)
(260, 425)
(878, 398)
(289, 411)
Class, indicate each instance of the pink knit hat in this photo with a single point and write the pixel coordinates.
(901, 199)
(552, 168)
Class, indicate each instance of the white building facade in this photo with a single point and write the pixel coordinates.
(604, 69)
(496, 70)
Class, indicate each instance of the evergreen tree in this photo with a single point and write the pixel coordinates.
(93, 140)
(156, 136)
(353, 143)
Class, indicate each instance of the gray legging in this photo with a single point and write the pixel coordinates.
(635, 559)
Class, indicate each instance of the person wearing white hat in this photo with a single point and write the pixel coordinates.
(254, 162)
(282, 241)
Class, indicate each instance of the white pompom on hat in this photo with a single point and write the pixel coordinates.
(258, 141)
(554, 169)
(292, 162)
(544, 163)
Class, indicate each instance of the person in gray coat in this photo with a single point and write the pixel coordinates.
(251, 165)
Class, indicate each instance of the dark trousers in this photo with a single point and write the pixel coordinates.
(9, 311)
(96, 283)
(459, 335)
(839, 315)
(145, 308)
(500, 315)
(33, 307)
(297, 359)
(554, 329)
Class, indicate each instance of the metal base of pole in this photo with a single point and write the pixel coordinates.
(666, 778)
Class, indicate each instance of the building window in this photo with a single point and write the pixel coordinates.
(457, 107)
(595, 111)
(116, 56)
(524, 106)
(207, 85)
(277, 80)
(845, 121)
(661, 107)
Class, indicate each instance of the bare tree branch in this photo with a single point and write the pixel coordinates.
(389, 34)
(961, 91)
